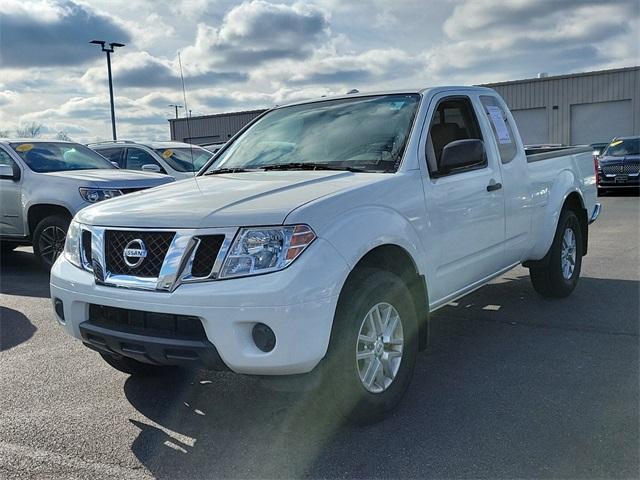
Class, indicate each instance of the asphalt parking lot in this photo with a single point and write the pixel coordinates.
(513, 386)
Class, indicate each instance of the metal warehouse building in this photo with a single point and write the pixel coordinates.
(209, 129)
(569, 109)
(575, 109)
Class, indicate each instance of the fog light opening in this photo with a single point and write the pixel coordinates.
(59, 308)
(263, 337)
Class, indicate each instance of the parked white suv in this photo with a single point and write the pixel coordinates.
(322, 238)
(179, 160)
(43, 184)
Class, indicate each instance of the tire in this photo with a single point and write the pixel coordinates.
(48, 239)
(556, 279)
(369, 292)
(134, 367)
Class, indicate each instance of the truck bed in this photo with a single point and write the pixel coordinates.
(536, 154)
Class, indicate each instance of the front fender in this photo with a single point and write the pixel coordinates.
(564, 185)
(358, 231)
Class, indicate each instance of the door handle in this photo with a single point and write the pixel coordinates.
(494, 186)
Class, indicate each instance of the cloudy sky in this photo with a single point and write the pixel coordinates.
(258, 53)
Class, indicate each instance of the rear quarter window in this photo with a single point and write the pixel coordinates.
(501, 128)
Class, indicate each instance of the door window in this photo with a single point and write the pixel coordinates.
(453, 119)
(136, 158)
(112, 154)
(501, 128)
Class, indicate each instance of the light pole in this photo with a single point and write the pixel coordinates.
(176, 107)
(109, 51)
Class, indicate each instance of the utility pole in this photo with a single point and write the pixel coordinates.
(176, 107)
(109, 50)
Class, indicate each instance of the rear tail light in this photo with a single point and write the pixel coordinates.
(596, 167)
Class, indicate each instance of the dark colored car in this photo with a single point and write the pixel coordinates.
(619, 164)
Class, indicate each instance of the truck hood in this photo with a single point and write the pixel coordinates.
(227, 200)
(107, 178)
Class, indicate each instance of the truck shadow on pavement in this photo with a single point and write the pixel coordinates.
(522, 387)
(21, 274)
(15, 328)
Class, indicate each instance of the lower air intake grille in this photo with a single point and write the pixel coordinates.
(206, 255)
(156, 245)
(151, 324)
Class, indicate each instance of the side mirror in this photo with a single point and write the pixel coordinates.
(151, 167)
(6, 171)
(462, 154)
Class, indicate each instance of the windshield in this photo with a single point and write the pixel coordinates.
(368, 133)
(621, 148)
(45, 157)
(180, 159)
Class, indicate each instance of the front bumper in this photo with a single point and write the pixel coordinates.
(631, 180)
(297, 303)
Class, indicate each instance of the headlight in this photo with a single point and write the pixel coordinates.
(266, 249)
(93, 195)
(72, 244)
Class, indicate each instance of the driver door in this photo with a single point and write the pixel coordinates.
(465, 207)
(11, 221)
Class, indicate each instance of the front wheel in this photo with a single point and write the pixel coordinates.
(48, 239)
(374, 345)
(559, 276)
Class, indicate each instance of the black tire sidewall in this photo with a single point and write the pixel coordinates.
(568, 219)
(354, 401)
(53, 220)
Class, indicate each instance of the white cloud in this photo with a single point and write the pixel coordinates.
(265, 52)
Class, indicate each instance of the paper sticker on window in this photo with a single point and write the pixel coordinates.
(167, 153)
(617, 142)
(25, 147)
(498, 122)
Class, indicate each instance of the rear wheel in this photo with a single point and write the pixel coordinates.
(48, 239)
(134, 367)
(559, 276)
(373, 348)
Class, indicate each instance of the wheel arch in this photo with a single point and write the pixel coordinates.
(563, 193)
(37, 212)
(572, 201)
(395, 259)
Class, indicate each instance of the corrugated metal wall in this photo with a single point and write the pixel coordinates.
(558, 94)
(210, 128)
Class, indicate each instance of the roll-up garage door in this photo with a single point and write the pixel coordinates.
(600, 122)
(533, 125)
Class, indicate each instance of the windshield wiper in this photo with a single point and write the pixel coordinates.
(231, 170)
(311, 166)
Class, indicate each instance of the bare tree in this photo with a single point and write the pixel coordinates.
(62, 135)
(31, 130)
(5, 133)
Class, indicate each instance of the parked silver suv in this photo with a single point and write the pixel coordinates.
(179, 160)
(43, 184)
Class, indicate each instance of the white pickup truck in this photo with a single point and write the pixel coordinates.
(321, 239)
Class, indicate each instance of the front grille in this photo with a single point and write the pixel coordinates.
(151, 324)
(624, 168)
(156, 244)
(206, 255)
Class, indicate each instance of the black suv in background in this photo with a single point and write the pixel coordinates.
(619, 164)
